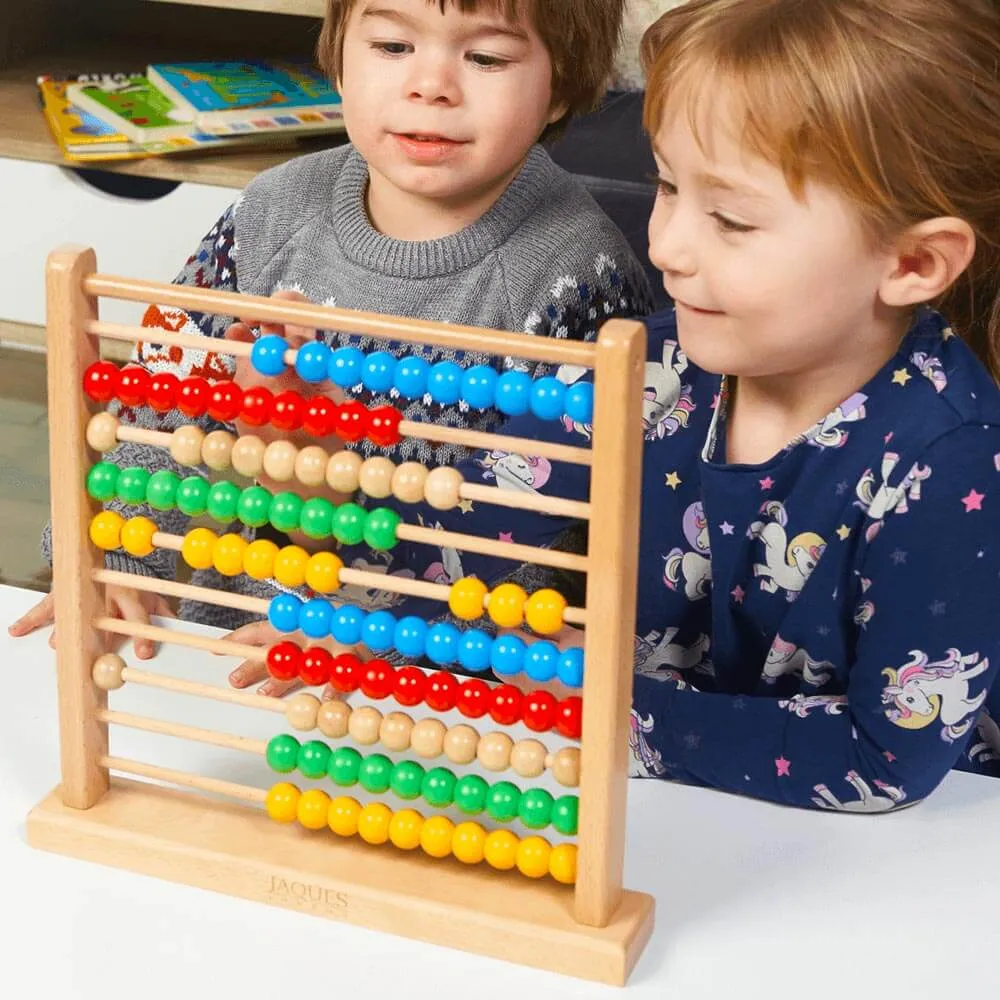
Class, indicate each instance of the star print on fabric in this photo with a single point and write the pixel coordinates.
(843, 532)
(739, 703)
(465, 506)
(973, 501)
(823, 630)
(842, 487)
(505, 536)
(898, 557)
(937, 608)
(766, 483)
(784, 767)
(726, 528)
(738, 593)
(692, 741)
(673, 480)
(901, 376)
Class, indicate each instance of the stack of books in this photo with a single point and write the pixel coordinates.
(183, 107)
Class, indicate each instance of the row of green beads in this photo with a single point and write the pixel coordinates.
(225, 502)
(471, 794)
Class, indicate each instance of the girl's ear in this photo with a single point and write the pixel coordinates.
(927, 260)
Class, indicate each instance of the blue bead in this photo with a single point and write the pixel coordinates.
(378, 371)
(444, 382)
(541, 661)
(479, 385)
(378, 630)
(346, 623)
(314, 618)
(345, 365)
(507, 655)
(474, 649)
(547, 396)
(268, 354)
(512, 394)
(410, 636)
(283, 612)
(579, 402)
(411, 377)
(442, 643)
(312, 361)
(570, 667)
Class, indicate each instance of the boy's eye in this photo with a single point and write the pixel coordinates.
(731, 225)
(391, 48)
(663, 186)
(485, 61)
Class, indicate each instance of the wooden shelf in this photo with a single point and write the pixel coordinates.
(305, 8)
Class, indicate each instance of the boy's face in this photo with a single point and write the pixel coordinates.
(443, 106)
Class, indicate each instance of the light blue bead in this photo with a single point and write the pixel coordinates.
(579, 402)
(541, 661)
(312, 361)
(314, 618)
(345, 365)
(410, 636)
(346, 623)
(547, 396)
(507, 655)
(378, 630)
(479, 385)
(378, 371)
(283, 612)
(268, 354)
(442, 643)
(474, 649)
(444, 382)
(411, 377)
(570, 667)
(512, 393)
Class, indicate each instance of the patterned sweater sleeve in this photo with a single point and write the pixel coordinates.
(210, 266)
(923, 665)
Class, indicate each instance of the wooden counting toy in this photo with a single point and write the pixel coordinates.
(405, 793)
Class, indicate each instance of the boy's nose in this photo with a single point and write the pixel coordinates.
(434, 82)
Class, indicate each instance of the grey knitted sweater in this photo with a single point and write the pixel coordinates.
(543, 260)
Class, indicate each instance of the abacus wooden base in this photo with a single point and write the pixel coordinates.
(237, 849)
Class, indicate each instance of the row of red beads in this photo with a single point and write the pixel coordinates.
(225, 401)
(441, 691)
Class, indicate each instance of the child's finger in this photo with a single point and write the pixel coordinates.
(247, 673)
(133, 610)
(161, 607)
(42, 614)
(276, 689)
(253, 634)
(240, 332)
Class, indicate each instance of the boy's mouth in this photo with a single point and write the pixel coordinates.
(428, 137)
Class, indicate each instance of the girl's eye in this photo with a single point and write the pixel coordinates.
(663, 186)
(730, 225)
(391, 48)
(485, 61)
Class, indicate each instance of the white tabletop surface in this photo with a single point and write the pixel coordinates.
(753, 900)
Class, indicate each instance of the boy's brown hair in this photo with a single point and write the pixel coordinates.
(582, 38)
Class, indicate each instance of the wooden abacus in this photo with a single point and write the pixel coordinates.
(560, 907)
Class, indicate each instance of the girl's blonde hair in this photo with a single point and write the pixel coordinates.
(895, 103)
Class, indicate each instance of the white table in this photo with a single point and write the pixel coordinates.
(753, 900)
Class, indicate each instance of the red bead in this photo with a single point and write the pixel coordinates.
(442, 691)
(378, 679)
(569, 717)
(409, 685)
(100, 381)
(384, 426)
(316, 666)
(474, 698)
(256, 409)
(192, 395)
(225, 402)
(283, 661)
(352, 421)
(162, 395)
(133, 385)
(505, 705)
(539, 711)
(345, 672)
(319, 417)
(287, 410)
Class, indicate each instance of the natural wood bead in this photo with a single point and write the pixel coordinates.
(375, 477)
(310, 465)
(302, 712)
(185, 445)
(333, 719)
(528, 758)
(107, 672)
(494, 751)
(279, 460)
(248, 456)
(216, 450)
(102, 432)
(460, 744)
(342, 471)
(427, 738)
(394, 733)
(408, 482)
(441, 490)
(364, 725)
(566, 766)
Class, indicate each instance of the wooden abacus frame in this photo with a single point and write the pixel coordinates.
(593, 929)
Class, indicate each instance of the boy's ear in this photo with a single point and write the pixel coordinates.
(927, 260)
(556, 112)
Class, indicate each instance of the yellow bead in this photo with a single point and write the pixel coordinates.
(313, 809)
(469, 843)
(290, 566)
(466, 598)
(404, 829)
(323, 572)
(562, 863)
(506, 606)
(342, 816)
(258, 560)
(373, 823)
(197, 548)
(435, 836)
(227, 556)
(137, 536)
(533, 857)
(500, 849)
(544, 611)
(282, 802)
(106, 529)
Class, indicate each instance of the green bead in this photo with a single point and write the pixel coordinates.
(376, 773)
(406, 779)
(380, 529)
(438, 786)
(131, 484)
(102, 481)
(316, 518)
(470, 794)
(565, 812)
(161, 490)
(222, 500)
(535, 808)
(314, 759)
(349, 524)
(254, 506)
(285, 511)
(282, 753)
(192, 496)
(344, 765)
(502, 801)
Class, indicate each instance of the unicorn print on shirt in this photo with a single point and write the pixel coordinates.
(987, 747)
(828, 433)
(931, 368)
(515, 472)
(646, 762)
(883, 500)
(867, 801)
(658, 650)
(787, 658)
(666, 403)
(692, 569)
(787, 564)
